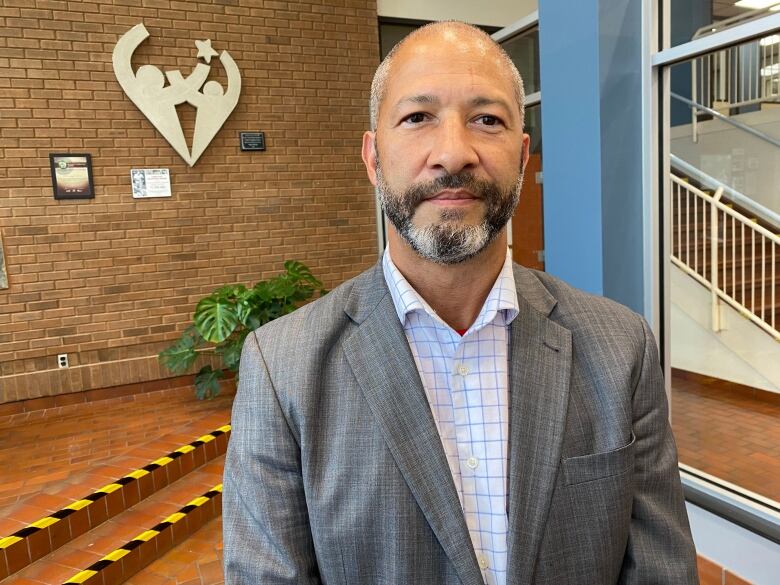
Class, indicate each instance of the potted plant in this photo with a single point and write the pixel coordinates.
(223, 319)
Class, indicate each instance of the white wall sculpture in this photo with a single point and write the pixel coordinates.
(147, 89)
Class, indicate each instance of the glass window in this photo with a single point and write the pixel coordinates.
(692, 19)
(528, 221)
(723, 206)
(524, 52)
(527, 226)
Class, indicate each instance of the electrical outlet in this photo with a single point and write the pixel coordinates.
(62, 360)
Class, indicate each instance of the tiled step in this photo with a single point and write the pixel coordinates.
(120, 547)
(48, 521)
(44, 450)
(196, 561)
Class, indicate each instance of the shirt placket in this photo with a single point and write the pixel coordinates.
(465, 400)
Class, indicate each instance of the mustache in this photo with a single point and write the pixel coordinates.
(419, 192)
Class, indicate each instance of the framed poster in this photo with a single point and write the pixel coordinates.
(150, 183)
(3, 273)
(71, 176)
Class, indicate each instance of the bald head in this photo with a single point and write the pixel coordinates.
(462, 37)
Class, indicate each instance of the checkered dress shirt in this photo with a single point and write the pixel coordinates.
(466, 381)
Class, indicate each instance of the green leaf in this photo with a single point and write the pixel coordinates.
(229, 292)
(244, 310)
(179, 357)
(299, 271)
(231, 352)
(207, 382)
(225, 317)
(215, 318)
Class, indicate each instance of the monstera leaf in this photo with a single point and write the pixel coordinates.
(231, 351)
(226, 316)
(181, 355)
(215, 318)
(207, 382)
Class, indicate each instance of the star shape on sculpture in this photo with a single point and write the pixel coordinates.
(205, 50)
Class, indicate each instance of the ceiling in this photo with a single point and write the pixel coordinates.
(722, 9)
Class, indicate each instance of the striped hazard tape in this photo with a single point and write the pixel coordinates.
(107, 489)
(145, 536)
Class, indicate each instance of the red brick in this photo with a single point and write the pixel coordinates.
(257, 209)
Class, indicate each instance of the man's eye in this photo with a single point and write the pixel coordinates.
(488, 120)
(416, 118)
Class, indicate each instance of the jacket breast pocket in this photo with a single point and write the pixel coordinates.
(595, 466)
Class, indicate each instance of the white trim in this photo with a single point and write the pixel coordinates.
(666, 25)
(518, 27)
(533, 99)
(736, 495)
(650, 252)
(663, 248)
(716, 41)
(380, 227)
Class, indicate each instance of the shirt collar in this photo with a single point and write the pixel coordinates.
(501, 300)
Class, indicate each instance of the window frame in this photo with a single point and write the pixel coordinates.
(749, 510)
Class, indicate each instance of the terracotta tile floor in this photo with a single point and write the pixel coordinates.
(196, 561)
(728, 434)
(52, 457)
(720, 432)
(80, 553)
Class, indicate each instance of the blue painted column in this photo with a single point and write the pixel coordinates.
(590, 59)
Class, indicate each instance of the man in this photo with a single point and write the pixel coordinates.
(448, 417)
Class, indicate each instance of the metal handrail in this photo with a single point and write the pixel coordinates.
(737, 76)
(706, 243)
(764, 213)
(727, 120)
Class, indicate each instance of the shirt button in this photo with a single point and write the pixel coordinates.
(472, 462)
(463, 370)
(483, 562)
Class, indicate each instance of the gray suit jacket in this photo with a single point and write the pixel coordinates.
(335, 472)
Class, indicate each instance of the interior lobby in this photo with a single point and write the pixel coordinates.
(175, 174)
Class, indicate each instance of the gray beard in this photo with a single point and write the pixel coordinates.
(449, 241)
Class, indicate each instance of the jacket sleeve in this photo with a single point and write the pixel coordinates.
(267, 538)
(660, 549)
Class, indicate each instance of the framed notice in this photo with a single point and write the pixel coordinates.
(252, 140)
(150, 183)
(71, 176)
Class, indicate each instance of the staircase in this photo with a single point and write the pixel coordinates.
(708, 231)
(727, 241)
(104, 525)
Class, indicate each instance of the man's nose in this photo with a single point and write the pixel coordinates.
(452, 150)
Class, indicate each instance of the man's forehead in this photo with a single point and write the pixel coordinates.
(450, 50)
(451, 38)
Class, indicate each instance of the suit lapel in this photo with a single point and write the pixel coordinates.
(382, 363)
(540, 365)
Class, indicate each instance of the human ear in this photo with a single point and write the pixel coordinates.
(526, 152)
(369, 155)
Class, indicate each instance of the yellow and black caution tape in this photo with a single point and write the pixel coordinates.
(107, 489)
(145, 536)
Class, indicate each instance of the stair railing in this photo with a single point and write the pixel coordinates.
(769, 216)
(718, 116)
(704, 245)
(736, 76)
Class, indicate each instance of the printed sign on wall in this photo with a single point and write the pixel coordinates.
(150, 183)
(71, 176)
(157, 100)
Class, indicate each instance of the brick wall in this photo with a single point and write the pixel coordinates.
(112, 280)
